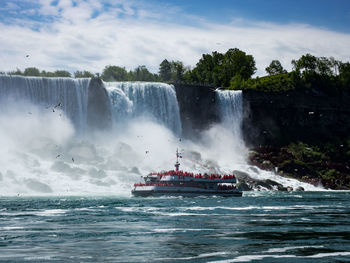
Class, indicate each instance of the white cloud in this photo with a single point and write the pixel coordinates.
(129, 35)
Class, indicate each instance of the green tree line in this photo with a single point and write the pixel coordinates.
(309, 72)
(233, 69)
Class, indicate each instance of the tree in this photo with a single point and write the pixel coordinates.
(141, 73)
(209, 69)
(344, 74)
(32, 71)
(237, 83)
(178, 71)
(335, 64)
(165, 70)
(316, 72)
(237, 62)
(47, 74)
(83, 74)
(307, 63)
(219, 69)
(17, 72)
(275, 68)
(324, 66)
(114, 73)
(62, 73)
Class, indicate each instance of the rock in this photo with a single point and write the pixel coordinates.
(288, 117)
(300, 189)
(282, 188)
(198, 108)
(271, 182)
(289, 188)
(99, 113)
(244, 186)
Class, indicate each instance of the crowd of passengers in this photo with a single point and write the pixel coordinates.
(187, 174)
(220, 187)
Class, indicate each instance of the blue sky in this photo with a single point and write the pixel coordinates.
(90, 34)
(331, 14)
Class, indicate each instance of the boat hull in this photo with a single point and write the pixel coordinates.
(169, 192)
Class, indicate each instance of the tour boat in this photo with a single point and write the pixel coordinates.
(180, 183)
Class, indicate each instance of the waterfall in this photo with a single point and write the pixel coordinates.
(156, 101)
(67, 94)
(128, 100)
(231, 110)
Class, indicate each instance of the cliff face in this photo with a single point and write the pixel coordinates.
(278, 118)
(99, 110)
(270, 118)
(198, 109)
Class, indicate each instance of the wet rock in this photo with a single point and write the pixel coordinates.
(263, 184)
(267, 164)
(273, 183)
(198, 108)
(300, 189)
(282, 189)
(301, 114)
(99, 113)
(244, 186)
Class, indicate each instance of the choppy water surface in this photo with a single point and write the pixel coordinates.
(269, 227)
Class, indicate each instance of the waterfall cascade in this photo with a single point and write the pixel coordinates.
(128, 100)
(67, 94)
(230, 110)
(156, 101)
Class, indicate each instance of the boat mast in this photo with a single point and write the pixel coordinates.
(177, 164)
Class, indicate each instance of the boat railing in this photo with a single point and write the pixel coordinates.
(168, 185)
(202, 176)
(220, 187)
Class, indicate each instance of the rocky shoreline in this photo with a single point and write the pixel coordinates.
(247, 183)
(320, 171)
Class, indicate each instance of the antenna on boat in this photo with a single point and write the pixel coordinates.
(177, 164)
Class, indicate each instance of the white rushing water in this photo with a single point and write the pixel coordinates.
(152, 100)
(51, 94)
(42, 151)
